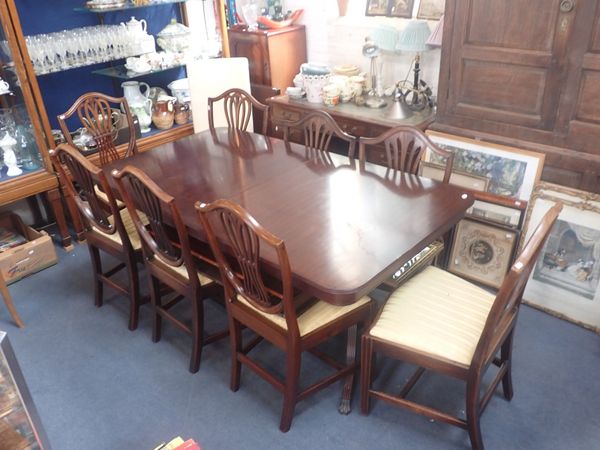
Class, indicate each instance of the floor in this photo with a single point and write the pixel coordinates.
(97, 385)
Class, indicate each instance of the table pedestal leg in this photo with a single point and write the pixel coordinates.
(345, 407)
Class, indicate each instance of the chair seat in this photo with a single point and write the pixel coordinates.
(315, 317)
(182, 271)
(436, 313)
(102, 196)
(134, 237)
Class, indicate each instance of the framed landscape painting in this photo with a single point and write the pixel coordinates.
(431, 9)
(512, 172)
(391, 8)
(377, 7)
(566, 278)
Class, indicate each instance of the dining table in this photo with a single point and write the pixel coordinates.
(347, 226)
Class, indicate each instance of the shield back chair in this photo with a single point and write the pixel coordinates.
(317, 130)
(294, 324)
(238, 106)
(440, 322)
(106, 227)
(96, 112)
(168, 259)
(405, 147)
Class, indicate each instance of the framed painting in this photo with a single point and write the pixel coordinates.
(401, 8)
(377, 7)
(482, 252)
(512, 172)
(457, 178)
(431, 9)
(20, 426)
(566, 278)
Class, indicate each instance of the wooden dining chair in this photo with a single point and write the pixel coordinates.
(445, 324)
(317, 129)
(238, 106)
(168, 259)
(106, 227)
(95, 112)
(293, 323)
(5, 293)
(405, 147)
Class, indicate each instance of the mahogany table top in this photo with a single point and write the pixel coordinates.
(346, 227)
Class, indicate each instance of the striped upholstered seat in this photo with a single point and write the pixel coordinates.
(134, 237)
(318, 315)
(436, 313)
(181, 271)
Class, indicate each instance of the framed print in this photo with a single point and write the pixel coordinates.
(457, 178)
(512, 172)
(377, 7)
(401, 8)
(20, 426)
(566, 278)
(482, 252)
(500, 214)
(391, 8)
(431, 9)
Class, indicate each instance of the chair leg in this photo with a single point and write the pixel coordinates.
(97, 266)
(506, 357)
(197, 333)
(155, 298)
(290, 394)
(235, 339)
(134, 294)
(366, 369)
(351, 345)
(473, 414)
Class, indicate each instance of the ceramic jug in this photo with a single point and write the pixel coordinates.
(163, 113)
(139, 103)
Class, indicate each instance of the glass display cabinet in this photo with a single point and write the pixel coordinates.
(25, 167)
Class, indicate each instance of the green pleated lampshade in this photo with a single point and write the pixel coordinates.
(414, 37)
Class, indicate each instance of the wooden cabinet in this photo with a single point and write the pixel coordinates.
(275, 56)
(530, 83)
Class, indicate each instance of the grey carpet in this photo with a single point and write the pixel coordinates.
(97, 385)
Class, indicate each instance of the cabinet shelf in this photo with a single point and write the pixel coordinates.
(122, 73)
(126, 7)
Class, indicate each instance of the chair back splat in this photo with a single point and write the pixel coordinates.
(404, 149)
(238, 106)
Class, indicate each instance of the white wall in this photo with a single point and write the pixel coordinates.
(338, 40)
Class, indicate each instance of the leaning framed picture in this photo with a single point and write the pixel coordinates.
(20, 426)
(482, 252)
(457, 178)
(431, 9)
(401, 8)
(512, 172)
(566, 278)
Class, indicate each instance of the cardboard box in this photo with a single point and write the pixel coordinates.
(33, 256)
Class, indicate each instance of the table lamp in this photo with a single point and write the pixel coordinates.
(414, 39)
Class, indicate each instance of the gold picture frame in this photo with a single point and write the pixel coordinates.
(431, 9)
(482, 252)
(565, 280)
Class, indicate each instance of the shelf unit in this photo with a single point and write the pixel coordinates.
(126, 7)
(122, 73)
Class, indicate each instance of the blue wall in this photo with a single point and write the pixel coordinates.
(61, 89)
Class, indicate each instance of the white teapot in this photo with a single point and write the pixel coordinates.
(135, 27)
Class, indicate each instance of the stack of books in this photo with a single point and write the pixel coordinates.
(179, 444)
